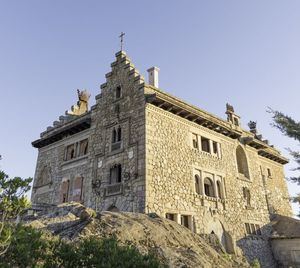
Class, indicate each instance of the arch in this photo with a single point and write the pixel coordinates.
(241, 160)
(208, 187)
(113, 208)
(197, 184)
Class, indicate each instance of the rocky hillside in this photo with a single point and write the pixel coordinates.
(174, 244)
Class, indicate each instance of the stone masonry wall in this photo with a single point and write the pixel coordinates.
(128, 113)
(170, 163)
(51, 157)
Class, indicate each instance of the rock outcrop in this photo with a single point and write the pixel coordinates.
(174, 244)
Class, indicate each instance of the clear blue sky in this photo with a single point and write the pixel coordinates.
(246, 53)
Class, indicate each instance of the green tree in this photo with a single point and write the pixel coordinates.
(291, 128)
(12, 202)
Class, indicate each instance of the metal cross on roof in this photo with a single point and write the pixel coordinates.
(121, 36)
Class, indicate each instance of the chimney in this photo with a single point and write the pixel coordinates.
(153, 76)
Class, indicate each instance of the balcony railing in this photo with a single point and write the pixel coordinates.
(116, 145)
(114, 189)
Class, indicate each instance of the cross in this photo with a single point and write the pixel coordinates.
(121, 36)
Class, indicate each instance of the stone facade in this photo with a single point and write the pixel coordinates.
(150, 152)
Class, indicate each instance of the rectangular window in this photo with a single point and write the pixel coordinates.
(215, 147)
(116, 174)
(65, 191)
(205, 144)
(269, 172)
(258, 231)
(171, 216)
(253, 230)
(185, 221)
(195, 141)
(70, 152)
(248, 229)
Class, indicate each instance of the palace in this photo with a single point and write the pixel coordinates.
(139, 149)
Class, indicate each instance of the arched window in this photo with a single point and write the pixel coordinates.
(114, 136)
(241, 161)
(83, 147)
(219, 189)
(208, 187)
(118, 92)
(197, 184)
(119, 134)
(247, 196)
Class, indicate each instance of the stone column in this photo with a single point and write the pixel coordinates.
(219, 150)
(199, 142)
(178, 220)
(201, 182)
(211, 146)
(215, 186)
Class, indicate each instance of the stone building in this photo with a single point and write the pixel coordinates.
(140, 149)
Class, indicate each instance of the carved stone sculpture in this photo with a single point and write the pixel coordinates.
(82, 104)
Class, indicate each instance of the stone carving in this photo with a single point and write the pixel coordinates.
(229, 108)
(252, 126)
(82, 104)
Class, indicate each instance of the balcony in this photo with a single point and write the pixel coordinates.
(114, 189)
(116, 145)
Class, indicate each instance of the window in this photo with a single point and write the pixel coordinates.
(70, 152)
(114, 136)
(247, 196)
(257, 228)
(185, 220)
(117, 108)
(241, 160)
(118, 92)
(208, 187)
(119, 134)
(76, 150)
(65, 191)
(269, 172)
(116, 139)
(77, 189)
(197, 184)
(115, 174)
(171, 216)
(252, 229)
(248, 229)
(205, 145)
(83, 147)
(215, 147)
(195, 141)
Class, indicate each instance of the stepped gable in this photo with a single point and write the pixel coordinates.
(123, 63)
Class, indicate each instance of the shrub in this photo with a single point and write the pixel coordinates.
(34, 248)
